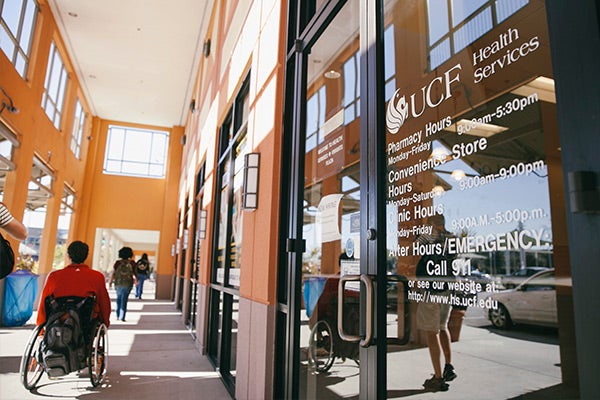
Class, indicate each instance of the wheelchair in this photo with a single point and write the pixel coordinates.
(325, 343)
(88, 350)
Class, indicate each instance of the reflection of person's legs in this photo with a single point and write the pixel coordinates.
(448, 374)
(445, 342)
(428, 320)
(433, 343)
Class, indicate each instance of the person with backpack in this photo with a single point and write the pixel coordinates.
(77, 279)
(143, 273)
(124, 276)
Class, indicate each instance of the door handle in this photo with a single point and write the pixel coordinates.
(368, 282)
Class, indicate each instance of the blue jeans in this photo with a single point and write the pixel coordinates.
(122, 296)
(139, 288)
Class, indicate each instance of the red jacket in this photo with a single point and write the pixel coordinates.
(77, 280)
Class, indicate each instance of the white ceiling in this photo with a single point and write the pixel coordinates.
(136, 59)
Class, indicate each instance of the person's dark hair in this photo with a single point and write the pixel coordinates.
(125, 252)
(78, 251)
(144, 257)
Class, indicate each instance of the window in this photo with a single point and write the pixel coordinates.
(351, 89)
(67, 207)
(8, 141)
(55, 87)
(389, 65)
(469, 19)
(136, 152)
(77, 132)
(315, 118)
(16, 31)
(39, 191)
(227, 242)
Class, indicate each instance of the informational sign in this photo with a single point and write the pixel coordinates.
(328, 218)
(330, 155)
(465, 146)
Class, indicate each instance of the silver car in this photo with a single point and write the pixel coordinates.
(519, 276)
(531, 302)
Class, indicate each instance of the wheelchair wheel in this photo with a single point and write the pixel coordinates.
(97, 357)
(320, 347)
(31, 367)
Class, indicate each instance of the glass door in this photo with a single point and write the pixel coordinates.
(473, 185)
(329, 366)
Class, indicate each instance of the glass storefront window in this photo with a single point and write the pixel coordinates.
(469, 184)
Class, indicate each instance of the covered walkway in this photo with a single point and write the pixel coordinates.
(152, 356)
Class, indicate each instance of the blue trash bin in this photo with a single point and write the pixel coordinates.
(313, 287)
(19, 296)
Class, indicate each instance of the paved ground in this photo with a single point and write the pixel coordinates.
(152, 356)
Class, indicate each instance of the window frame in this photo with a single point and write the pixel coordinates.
(123, 161)
(55, 86)
(26, 18)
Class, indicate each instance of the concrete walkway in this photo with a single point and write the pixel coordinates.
(151, 356)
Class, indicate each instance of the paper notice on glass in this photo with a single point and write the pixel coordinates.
(328, 218)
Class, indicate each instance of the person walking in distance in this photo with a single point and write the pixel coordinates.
(143, 272)
(123, 277)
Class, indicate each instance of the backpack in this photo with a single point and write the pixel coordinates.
(124, 274)
(63, 347)
(7, 257)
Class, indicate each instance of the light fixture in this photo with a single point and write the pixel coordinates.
(438, 190)
(202, 224)
(250, 188)
(206, 48)
(193, 108)
(472, 127)
(458, 174)
(332, 74)
(10, 107)
(541, 87)
(440, 154)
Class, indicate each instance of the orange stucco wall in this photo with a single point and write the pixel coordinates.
(100, 200)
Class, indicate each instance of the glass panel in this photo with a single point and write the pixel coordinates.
(64, 223)
(470, 172)
(7, 45)
(329, 366)
(222, 235)
(136, 152)
(11, 13)
(34, 218)
(237, 215)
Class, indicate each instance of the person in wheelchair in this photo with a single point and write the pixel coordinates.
(77, 279)
(72, 321)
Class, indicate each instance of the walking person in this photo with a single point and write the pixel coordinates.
(123, 277)
(143, 273)
(432, 317)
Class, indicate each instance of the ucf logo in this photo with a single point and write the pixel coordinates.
(398, 109)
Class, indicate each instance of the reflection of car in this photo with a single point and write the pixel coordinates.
(480, 277)
(532, 302)
(520, 275)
